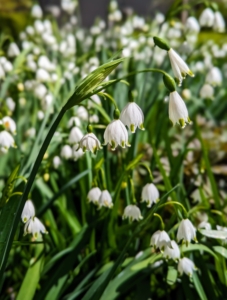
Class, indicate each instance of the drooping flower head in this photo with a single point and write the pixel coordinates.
(185, 265)
(35, 227)
(132, 212)
(172, 252)
(178, 112)
(132, 116)
(105, 199)
(150, 194)
(186, 231)
(94, 195)
(160, 240)
(90, 142)
(28, 211)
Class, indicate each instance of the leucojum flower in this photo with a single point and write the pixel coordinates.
(90, 142)
(150, 194)
(116, 133)
(28, 211)
(132, 116)
(132, 212)
(160, 240)
(94, 194)
(186, 231)
(185, 265)
(105, 199)
(172, 252)
(180, 68)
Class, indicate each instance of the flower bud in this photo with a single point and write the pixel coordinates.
(161, 43)
(169, 83)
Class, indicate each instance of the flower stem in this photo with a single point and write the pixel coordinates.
(184, 211)
(148, 170)
(161, 220)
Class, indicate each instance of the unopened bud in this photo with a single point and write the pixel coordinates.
(161, 43)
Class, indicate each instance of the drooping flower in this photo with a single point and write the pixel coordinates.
(90, 143)
(178, 112)
(36, 11)
(75, 135)
(180, 68)
(214, 76)
(132, 212)
(186, 231)
(150, 194)
(132, 116)
(206, 18)
(207, 91)
(35, 227)
(219, 22)
(160, 240)
(6, 141)
(116, 134)
(172, 252)
(185, 265)
(77, 153)
(94, 195)
(105, 199)
(192, 25)
(56, 162)
(9, 124)
(28, 211)
(66, 152)
(13, 50)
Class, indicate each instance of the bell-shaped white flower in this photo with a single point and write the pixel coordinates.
(9, 124)
(36, 11)
(75, 135)
(185, 265)
(42, 75)
(207, 91)
(178, 112)
(219, 22)
(28, 211)
(172, 252)
(132, 116)
(74, 121)
(56, 162)
(150, 194)
(94, 195)
(35, 227)
(6, 141)
(160, 240)
(90, 143)
(132, 212)
(77, 153)
(186, 231)
(214, 76)
(116, 133)
(180, 68)
(10, 104)
(206, 18)
(13, 50)
(192, 25)
(105, 199)
(66, 152)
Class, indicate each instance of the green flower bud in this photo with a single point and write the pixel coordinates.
(169, 83)
(161, 43)
(89, 128)
(116, 114)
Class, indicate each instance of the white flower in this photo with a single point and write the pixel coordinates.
(35, 227)
(192, 25)
(66, 152)
(10, 104)
(82, 113)
(40, 115)
(207, 91)
(77, 153)
(205, 225)
(150, 194)
(132, 116)
(105, 199)
(13, 50)
(56, 162)
(160, 240)
(9, 124)
(214, 76)
(75, 135)
(219, 22)
(180, 68)
(93, 195)
(178, 112)
(6, 141)
(186, 231)
(39, 27)
(207, 17)
(90, 142)
(116, 134)
(74, 121)
(172, 252)
(28, 211)
(2, 72)
(185, 265)
(42, 75)
(132, 212)
(36, 11)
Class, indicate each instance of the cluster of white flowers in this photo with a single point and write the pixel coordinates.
(32, 224)
(100, 198)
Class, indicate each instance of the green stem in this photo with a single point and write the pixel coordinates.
(148, 170)
(133, 191)
(160, 218)
(185, 213)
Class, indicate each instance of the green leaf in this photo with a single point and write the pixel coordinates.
(171, 275)
(215, 234)
(221, 250)
(199, 287)
(197, 247)
(145, 263)
(31, 279)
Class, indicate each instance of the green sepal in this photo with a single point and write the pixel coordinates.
(169, 82)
